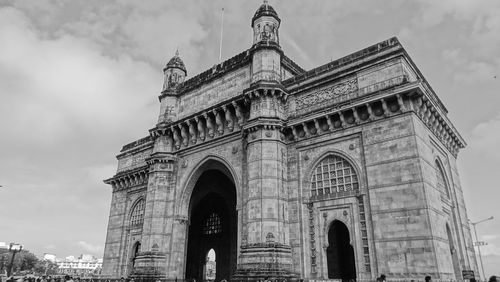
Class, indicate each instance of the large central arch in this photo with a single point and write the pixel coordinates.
(212, 224)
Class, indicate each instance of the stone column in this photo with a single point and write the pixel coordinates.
(151, 262)
(266, 250)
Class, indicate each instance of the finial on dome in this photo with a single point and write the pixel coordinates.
(176, 62)
(265, 10)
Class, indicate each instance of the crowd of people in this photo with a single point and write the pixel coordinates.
(68, 278)
(58, 278)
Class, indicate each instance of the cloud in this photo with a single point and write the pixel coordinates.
(50, 247)
(91, 248)
(486, 137)
(488, 237)
(79, 79)
(490, 249)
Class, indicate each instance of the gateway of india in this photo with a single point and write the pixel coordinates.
(346, 171)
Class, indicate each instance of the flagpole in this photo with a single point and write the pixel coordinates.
(221, 30)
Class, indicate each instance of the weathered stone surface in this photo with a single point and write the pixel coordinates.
(356, 145)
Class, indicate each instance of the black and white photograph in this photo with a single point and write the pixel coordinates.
(249, 141)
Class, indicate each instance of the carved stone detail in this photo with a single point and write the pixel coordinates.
(312, 237)
(329, 94)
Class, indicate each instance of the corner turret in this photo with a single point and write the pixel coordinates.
(174, 72)
(265, 24)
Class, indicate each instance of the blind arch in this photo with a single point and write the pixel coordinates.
(441, 179)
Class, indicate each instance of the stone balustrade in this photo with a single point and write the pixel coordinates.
(205, 126)
(129, 178)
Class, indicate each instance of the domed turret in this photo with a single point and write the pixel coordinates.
(174, 72)
(265, 24)
(265, 10)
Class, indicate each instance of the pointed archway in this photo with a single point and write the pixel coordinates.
(340, 253)
(212, 225)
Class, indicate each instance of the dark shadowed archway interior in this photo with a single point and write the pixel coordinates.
(340, 253)
(213, 225)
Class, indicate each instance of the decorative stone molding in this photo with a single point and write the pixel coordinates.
(335, 93)
(437, 123)
(347, 116)
(312, 239)
(129, 179)
(205, 126)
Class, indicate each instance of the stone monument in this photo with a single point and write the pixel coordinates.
(346, 171)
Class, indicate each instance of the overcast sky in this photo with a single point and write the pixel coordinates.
(78, 79)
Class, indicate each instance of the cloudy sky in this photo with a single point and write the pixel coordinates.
(78, 79)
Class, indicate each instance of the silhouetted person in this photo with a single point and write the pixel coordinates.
(493, 279)
(428, 278)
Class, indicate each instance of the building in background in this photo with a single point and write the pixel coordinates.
(83, 266)
(346, 171)
(49, 257)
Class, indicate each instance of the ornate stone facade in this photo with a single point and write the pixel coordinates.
(345, 171)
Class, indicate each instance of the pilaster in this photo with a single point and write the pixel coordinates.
(152, 261)
(266, 252)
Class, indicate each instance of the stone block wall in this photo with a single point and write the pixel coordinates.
(402, 229)
(446, 208)
(120, 237)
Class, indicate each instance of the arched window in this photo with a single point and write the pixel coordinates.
(334, 175)
(441, 182)
(137, 215)
(212, 224)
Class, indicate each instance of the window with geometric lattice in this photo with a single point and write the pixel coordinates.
(137, 216)
(212, 225)
(334, 175)
(441, 183)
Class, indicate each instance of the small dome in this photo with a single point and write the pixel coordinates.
(265, 10)
(176, 62)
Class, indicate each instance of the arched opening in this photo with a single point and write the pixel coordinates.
(212, 226)
(136, 248)
(210, 266)
(453, 253)
(340, 253)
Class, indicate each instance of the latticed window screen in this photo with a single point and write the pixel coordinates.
(137, 215)
(212, 224)
(333, 175)
(441, 183)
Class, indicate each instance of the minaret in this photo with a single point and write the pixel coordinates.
(265, 24)
(265, 249)
(151, 262)
(174, 74)
(266, 44)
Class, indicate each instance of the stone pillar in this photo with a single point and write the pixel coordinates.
(266, 250)
(151, 262)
